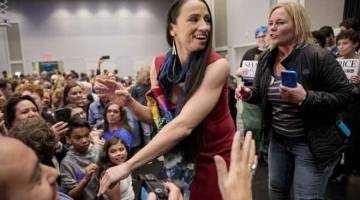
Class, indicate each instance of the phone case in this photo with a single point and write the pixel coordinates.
(343, 128)
(289, 78)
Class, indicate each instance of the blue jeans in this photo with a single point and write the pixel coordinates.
(292, 168)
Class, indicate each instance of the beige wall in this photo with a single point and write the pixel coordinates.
(324, 12)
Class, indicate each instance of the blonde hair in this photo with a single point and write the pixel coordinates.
(301, 21)
(143, 74)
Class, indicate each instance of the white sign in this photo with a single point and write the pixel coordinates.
(249, 68)
(350, 66)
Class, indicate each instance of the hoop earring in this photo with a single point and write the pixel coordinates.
(174, 48)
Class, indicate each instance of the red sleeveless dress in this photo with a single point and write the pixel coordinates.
(218, 130)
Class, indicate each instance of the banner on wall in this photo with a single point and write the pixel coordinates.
(47, 66)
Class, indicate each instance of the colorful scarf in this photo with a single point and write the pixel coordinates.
(171, 73)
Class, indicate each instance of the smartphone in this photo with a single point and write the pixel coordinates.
(289, 78)
(62, 114)
(105, 58)
(343, 128)
(151, 184)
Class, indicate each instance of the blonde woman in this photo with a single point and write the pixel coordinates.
(304, 145)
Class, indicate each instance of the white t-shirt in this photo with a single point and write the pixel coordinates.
(126, 189)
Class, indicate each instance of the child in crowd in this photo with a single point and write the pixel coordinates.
(347, 44)
(79, 165)
(115, 152)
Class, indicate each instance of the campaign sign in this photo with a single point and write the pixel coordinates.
(250, 66)
(350, 66)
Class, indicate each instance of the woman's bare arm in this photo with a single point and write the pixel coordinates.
(191, 115)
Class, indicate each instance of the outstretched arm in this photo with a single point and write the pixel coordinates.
(191, 115)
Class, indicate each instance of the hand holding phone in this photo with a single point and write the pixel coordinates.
(149, 184)
(105, 58)
(62, 114)
(289, 78)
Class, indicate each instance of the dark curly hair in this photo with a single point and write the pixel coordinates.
(350, 34)
(10, 108)
(36, 133)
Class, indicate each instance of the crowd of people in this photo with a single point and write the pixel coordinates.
(83, 136)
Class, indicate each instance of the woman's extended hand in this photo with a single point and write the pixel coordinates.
(242, 92)
(112, 90)
(293, 95)
(235, 183)
(113, 175)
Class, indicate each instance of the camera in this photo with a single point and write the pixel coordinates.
(149, 183)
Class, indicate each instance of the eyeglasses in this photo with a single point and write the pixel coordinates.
(260, 36)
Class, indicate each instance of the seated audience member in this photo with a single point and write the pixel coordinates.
(35, 133)
(319, 38)
(79, 165)
(330, 43)
(115, 152)
(22, 176)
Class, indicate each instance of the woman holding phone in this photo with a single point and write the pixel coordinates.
(304, 145)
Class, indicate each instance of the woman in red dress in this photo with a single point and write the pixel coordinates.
(189, 84)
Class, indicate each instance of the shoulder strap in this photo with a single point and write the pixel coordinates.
(214, 56)
(159, 60)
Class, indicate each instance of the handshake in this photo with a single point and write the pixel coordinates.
(235, 183)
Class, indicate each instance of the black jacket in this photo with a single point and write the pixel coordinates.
(328, 92)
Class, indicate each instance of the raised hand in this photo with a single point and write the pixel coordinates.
(59, 129)
(235, 183)
(95, 136)
(242, 92)
(90, 170)
(355, 79)
(112, 90)
(113, 175)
